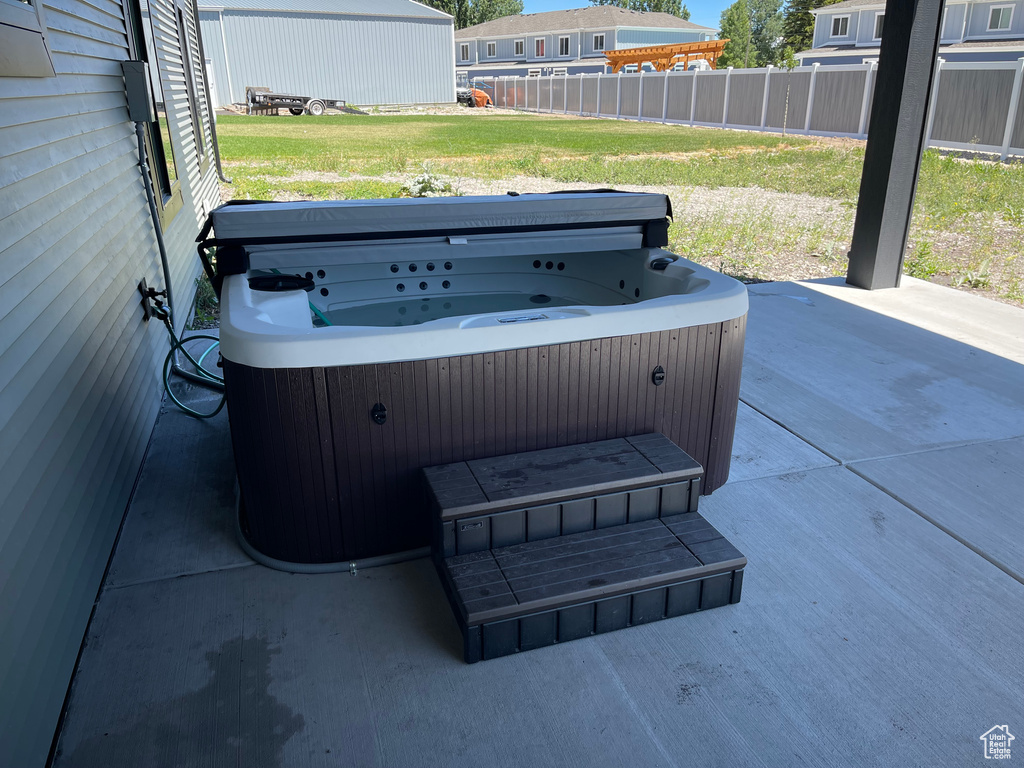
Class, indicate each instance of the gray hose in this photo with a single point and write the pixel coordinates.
(350, 566)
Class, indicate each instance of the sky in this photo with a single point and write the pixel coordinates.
(707, 13)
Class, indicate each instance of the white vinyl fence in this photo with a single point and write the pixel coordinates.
(975, 105)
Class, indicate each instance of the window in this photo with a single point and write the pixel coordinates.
(464, 52)
(560, 72)
(162, 166)
(26, 52)
(538, 47)
(879, 20)
(492, 49)
(533, 73)
(563, 46)
(598, 43)
(1000, 17)
(840, 26)
(520, 47)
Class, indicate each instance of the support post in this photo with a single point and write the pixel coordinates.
(640, 97)
(693, 96)
(725, 100)
(664, 100)
(810, 97)
(934, 100)
(551, 94)
(565, 93)
(597, 107)
(869, 82)
(618, 96)
(896, 135)
(1018, 79)
(764, 99)
(515, 92)
(581, 93)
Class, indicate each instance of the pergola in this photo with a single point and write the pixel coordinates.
(664, 57)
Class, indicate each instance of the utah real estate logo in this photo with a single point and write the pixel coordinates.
(997, 742)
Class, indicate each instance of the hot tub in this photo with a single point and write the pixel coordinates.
(448, 329)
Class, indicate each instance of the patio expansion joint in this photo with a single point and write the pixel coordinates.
(948, 531)
(173, 576)
(851, 466)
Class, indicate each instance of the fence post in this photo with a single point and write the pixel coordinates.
(934, 98)
(597, 107)
(640, 97)
(515, 91)
(551, 93)
(1018, 77)
(664, 101)
(618, 95)
(693, 96)
(810, 97)
(764, 99)
(565, 93)
(869, 83)
(725, 99)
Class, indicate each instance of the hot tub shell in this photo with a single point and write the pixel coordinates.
(331, 425)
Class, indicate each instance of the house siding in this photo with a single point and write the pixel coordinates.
(79, 369)
(953, 24)
(588, 41)
(978, 18)
(362, 59)
(866, 27)
(823, 28)
(638, 38)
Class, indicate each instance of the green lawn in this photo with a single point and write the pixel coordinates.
(968, 225)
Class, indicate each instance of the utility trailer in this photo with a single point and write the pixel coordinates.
(261, 101)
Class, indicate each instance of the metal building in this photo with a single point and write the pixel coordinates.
(366, 52)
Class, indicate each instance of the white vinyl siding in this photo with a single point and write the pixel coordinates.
(79, 369)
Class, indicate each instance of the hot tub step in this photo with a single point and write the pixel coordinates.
(522, 497)
(530, 595)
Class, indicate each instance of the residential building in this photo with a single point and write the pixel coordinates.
(367, 52)
(850, 32)
(80, 368)
(565, 42)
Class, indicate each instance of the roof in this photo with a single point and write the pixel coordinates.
(406, 8)
(595, 17)
(849, 5)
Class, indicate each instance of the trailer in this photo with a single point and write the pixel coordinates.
(262, 101)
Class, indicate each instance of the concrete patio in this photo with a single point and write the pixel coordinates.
(876, 489)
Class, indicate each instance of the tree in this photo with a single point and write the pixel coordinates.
(674, 7)
(798, 24)
(753, 28)
(486, 10)
(470, 12)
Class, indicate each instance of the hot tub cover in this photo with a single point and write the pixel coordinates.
(254, 222)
